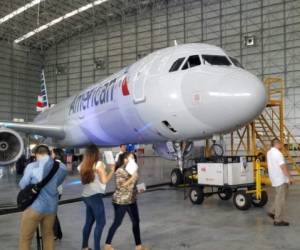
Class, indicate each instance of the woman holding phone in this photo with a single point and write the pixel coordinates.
(94, 178)
(124, 201)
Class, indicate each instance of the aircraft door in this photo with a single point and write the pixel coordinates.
(139, 88)
(140, 78)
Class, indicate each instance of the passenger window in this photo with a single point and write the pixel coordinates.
(192, 61)
(216, 60)
(176, 65)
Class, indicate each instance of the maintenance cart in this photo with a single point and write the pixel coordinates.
(227, 177)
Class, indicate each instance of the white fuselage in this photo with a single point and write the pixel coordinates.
(146, 103)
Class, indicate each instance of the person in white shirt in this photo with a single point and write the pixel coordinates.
(280, 178)
(123, 149)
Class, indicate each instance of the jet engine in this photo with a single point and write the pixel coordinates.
(11, 146)
(167, 150)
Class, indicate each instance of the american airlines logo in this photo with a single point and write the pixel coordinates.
(93, 97)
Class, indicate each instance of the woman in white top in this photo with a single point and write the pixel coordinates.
(94, 179)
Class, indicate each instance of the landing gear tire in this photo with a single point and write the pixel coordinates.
(216, 150)
(176, 177)
(196, 195)
(242, 200)
(225, 193)
(262, 202)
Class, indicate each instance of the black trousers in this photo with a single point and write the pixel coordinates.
(56, 227)
(120, 211)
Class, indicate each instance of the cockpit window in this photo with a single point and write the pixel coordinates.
(192, 61)
(236, 62)
(176, 65)
(216, 60)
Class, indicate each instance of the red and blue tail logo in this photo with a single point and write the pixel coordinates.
(42, 102)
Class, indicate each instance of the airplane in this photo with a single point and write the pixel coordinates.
(172, 96)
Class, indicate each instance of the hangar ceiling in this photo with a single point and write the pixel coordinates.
(49, 10)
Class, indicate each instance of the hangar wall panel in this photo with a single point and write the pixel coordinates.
(20, 70)
(226, 23)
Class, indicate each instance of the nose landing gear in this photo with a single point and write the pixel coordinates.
(176, 177)
(182, 150)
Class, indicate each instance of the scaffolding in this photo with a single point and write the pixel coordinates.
(254, 139)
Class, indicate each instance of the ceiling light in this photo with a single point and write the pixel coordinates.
(59, 19)
(85, 7)
(19, 11)
(72, 13)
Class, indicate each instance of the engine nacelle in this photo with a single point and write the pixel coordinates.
(11, 146)
(167, 150)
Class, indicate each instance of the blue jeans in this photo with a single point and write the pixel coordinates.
(94, 212)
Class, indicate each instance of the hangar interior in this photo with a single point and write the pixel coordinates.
(79, 49)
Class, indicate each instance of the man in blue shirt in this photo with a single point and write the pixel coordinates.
(43, 209)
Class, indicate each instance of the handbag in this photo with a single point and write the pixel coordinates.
(29, 194)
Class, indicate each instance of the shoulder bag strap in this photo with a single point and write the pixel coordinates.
(52, 172)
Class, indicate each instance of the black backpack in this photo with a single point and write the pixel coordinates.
(29, 194)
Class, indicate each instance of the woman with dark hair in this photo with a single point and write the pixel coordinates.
(58, 154)
(94, 179)
(124, 200)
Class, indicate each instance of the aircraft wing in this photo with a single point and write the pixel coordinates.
(36, 129)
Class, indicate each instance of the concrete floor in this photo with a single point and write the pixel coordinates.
(170, 222)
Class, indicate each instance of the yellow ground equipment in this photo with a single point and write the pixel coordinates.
(259, 195)
(228, 177)
(254, 139)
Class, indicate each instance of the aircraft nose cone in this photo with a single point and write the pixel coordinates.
(243, 98)
(227, 101)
